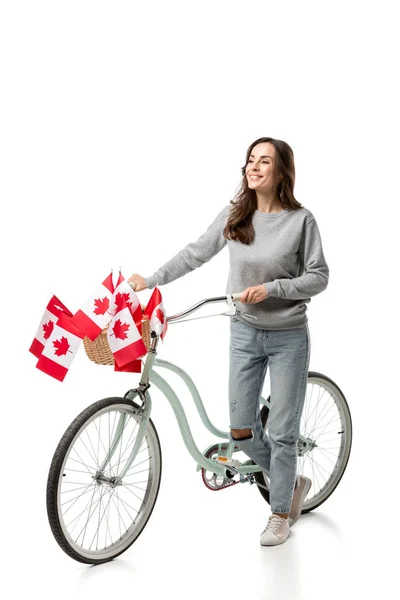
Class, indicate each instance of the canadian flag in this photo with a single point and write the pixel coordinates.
(60, 348)
(123, 335)
(53, 310)
(156, 313)
(135, 366)
(124, 295)
(95, 314)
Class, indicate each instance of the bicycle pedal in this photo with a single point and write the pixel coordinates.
(228, 462)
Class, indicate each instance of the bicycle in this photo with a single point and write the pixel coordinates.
(105, 474)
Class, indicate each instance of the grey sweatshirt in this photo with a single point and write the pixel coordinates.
(286, 257)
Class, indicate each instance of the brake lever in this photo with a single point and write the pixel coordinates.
(232, 307)
(247, 314)
(232, 310)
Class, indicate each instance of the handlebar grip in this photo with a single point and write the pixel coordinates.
(236, 297)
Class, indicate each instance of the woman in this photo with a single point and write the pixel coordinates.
(276, 258)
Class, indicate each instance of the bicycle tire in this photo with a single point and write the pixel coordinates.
(56, 473)
(310, 505)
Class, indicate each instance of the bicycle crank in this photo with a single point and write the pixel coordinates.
(213, 481)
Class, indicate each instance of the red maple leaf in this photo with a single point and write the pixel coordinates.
(48, 328)
(62, 346)
(102, 306)
(160, 315)
(122, 300)
(120, 329)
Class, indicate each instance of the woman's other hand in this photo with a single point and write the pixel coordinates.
(254, 294)
(140, 282)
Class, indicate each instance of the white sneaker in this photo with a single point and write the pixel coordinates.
(276, 531)
(302, 488)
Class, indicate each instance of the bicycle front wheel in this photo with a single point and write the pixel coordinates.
(93, 513)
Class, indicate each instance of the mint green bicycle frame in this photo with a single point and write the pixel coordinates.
(149, 376)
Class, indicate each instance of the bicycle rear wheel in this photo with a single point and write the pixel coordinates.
(95, 515)
(326, 429)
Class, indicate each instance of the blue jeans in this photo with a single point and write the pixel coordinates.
(287, 352)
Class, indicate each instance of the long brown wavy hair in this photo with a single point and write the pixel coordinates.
(239, 225)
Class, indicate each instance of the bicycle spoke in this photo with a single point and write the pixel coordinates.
(137, 472)
(81, 463)
(127, 504)
(84, 464)
(128, 457)
(86, 448)
(315, 409)
(132, 492)
(325, 416)
(335, 439)
(315, 478)
(99, 438)
(129, 443)
(327, 458)
(120, 518)
(100, 520)
(336, 418)
(326, 451)
(308, 402)
(84, 528)
(98, 526)
(134, 485)
(80, 514)
(137, 464)
(319, 467)
(120, 441)
(110, 437)
(108, 530)
(74, 500)
(111, 468)
(77, 471)
(321, 414)
(74, 489)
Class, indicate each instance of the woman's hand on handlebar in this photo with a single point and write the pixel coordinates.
(139, 281)
(254, 294)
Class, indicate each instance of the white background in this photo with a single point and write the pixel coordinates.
(124, 126)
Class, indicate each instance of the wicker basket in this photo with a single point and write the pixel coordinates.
(99, 350)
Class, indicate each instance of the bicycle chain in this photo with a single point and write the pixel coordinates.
(218, 489)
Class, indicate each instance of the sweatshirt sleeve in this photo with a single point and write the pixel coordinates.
(316, 272)
(193, 255)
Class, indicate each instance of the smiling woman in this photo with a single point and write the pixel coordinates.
(267, 187)
(277, 262)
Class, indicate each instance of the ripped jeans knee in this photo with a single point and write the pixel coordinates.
(239, 434)
(252, 442)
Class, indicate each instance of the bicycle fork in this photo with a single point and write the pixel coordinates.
(144, 412)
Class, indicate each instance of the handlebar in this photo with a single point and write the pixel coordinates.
(229, 298)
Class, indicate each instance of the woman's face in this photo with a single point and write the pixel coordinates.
(260, 169)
